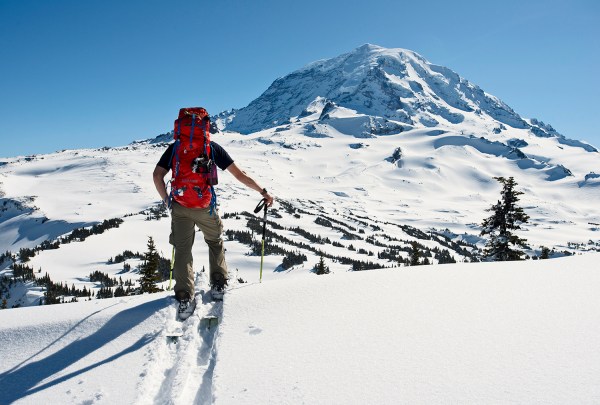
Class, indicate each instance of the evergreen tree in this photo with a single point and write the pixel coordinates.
(321, 267)
(120, 291)
(506, 217)
(50, 296)
(415, 254)
(149, 269)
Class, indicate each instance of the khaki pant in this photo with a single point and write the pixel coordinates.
(183, 231)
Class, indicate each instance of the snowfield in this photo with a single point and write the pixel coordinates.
(517, 332)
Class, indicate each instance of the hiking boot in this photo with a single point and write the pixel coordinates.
(186, 308)
(217, 289)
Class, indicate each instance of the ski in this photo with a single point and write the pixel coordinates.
(217, 295)
(209, 322)
(174, 335)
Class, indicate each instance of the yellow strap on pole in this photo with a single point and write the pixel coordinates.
(262, 257)
(262, 205)
(171, 272)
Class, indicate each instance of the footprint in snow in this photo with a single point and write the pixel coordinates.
(253, 330)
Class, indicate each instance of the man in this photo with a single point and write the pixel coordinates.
(183, 222)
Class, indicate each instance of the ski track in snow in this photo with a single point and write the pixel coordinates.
(180, 371)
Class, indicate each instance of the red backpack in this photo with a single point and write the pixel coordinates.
(193, 169)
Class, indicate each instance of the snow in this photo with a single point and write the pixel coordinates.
(109, 175)
(518, 332)
(469, 333)
(91, 352)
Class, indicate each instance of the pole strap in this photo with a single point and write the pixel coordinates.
(260, 206)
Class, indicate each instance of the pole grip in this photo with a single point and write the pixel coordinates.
(262, 203)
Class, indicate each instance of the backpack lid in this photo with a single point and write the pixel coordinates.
(200, 112)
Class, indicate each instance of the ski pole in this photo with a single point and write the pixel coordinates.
(262, 205)
(171, 272)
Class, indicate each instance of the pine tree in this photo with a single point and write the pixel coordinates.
(506, 217)
(321, 267)
(415, 254)
(149, 269)
(120, 291)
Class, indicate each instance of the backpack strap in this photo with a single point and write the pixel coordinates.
(178, 133)
(175, 164)
(174, 168)
(192, 130)
(213, 200)
(204, 134)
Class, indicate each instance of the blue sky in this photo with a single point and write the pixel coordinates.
(82, 73)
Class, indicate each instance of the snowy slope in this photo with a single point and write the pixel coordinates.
(441, 182)
(64, 190)
(519, 332)
(470, 333)
(91, 352)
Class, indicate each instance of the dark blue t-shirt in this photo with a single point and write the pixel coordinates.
(220, 156)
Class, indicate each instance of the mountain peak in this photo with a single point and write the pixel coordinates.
(371, 50)
(369, 47)
(396, 84)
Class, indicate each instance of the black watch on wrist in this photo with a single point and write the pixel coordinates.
(264, 191)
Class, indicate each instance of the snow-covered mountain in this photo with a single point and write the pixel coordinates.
(390, 84)
(445, 139)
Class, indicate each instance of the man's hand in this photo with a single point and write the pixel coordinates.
(268, 198)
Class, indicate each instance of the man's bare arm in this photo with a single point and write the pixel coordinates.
(159, 181)
(248, 181)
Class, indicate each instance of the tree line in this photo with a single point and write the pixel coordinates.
(77, 234)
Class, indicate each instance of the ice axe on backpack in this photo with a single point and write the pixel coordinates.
(262, 205)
